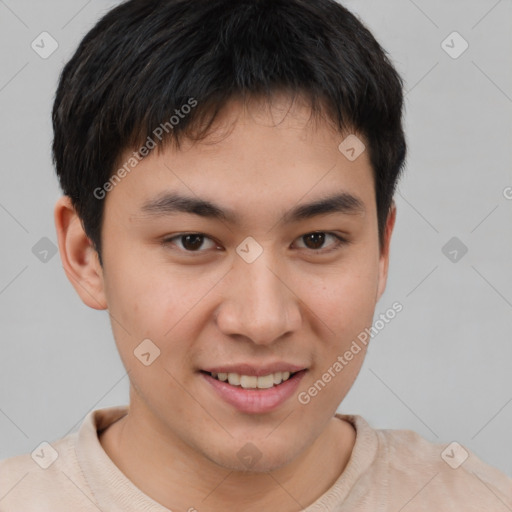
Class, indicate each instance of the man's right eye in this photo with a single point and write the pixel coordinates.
(189, 242)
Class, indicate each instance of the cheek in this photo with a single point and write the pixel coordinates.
(146, 296)
(157, 303)
(344, 299)
(345, 304)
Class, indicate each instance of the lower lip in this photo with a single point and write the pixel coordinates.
(255, 401)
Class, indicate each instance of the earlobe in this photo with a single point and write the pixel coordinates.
(79, 258)
(384, 255)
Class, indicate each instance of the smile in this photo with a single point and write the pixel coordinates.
(254, 394)
(251, 381)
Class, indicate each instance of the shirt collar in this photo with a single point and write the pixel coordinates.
(113, 491)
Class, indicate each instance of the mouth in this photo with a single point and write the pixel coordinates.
(252, 381)
(253, 394)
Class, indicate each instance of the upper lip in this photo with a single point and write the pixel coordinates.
(255, 369)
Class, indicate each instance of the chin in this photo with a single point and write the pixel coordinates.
(254, 456)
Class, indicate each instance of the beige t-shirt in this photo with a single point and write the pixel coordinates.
(389, 470)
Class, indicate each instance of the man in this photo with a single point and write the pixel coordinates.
(228, 170)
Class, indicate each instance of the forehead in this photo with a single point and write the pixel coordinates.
(255, 155)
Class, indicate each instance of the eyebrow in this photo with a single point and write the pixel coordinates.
(172, 203)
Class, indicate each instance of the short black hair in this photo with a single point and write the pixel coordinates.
(145, 60)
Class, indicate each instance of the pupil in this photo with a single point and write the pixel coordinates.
(196, 242)
(317, 239)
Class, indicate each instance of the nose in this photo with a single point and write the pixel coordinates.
(258, 303)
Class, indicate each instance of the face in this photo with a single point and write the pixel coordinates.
(253, 284)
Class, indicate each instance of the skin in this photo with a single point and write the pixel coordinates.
(295, 303)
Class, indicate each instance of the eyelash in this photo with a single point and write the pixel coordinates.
(340, 241)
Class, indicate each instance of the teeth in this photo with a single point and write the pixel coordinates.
(266, 382)
(234, 379)
(251, 381)
(248, 381)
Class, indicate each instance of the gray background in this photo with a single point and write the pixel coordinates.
(442, 367)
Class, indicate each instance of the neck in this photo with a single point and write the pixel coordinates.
(180, 478)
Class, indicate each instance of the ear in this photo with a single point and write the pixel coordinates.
(79, 258)
(384, 254)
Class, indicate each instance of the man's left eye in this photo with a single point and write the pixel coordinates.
(316, 240)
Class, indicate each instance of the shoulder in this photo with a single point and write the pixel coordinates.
(49, 478)
(434, 473)
(54, 476)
